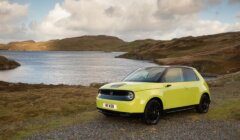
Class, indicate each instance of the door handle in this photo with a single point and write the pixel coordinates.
(168, 85)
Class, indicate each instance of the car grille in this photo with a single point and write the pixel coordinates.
(121, 95)
(114, 92)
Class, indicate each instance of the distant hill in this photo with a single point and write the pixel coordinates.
(3, 47)
(217, 54)
(6, 64)
(83, 43)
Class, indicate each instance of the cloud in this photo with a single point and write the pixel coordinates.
(183, 7)
(130, 20)
(234, 1)
(50, 27)
(213, 2)
(11, 12)
(238, 15)
(12, 15)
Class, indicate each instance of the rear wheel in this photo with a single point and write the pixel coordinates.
(153, 111)
(204, 104)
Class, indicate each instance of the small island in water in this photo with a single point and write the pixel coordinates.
(6, 64)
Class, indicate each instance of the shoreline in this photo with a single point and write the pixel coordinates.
(212, 54)
(42, 85)
(124, 55)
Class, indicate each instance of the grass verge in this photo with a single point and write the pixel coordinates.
(226, 110)
(27, 109)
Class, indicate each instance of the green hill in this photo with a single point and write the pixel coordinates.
(83, 43)
(217, 54)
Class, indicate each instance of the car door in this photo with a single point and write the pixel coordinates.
(191, 82)
(174, 91)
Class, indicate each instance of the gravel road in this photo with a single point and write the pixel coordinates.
(186, 125)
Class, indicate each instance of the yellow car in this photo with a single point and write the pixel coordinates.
(153, 91)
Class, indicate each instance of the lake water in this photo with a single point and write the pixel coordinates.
(69, 67)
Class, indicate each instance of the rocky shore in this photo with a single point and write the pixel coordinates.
(6, 64)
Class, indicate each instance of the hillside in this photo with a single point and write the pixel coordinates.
(83, 43)
(217, 54)
(6, 64)
(3, 47)
(214, 54)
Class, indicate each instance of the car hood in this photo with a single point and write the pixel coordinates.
(132, 86)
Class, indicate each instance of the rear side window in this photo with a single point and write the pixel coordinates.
(189, 75)
(173, 75)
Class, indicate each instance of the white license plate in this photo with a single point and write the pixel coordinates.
(112, 106)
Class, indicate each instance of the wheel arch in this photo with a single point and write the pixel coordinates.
(155, 98)
(205, 93)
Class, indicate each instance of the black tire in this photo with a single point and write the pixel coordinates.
(152, 112)
(204, 104)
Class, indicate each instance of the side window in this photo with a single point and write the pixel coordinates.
(173, 75)
(189, 75)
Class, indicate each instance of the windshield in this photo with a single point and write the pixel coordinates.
(151, 74)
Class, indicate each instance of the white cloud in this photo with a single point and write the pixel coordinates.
(10, 12)
(50, 27)
(182, 7)
(135, 19)
(238, 15)
(11, 15)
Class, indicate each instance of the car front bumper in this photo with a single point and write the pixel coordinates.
(134, 106)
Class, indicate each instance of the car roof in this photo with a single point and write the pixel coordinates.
(171, 66)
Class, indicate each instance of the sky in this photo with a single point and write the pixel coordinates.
(129, 20)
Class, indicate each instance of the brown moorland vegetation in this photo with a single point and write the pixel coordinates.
(218, 54)
(83, 43)
(26, 109)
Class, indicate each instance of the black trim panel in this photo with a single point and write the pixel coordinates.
(119, 98)
(180, 108)
(172, 110)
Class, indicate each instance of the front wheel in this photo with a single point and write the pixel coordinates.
(153, 111)
(203, 105)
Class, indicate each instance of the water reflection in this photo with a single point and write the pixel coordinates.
(69, 67)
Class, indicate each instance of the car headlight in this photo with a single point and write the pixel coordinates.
(130, 95)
